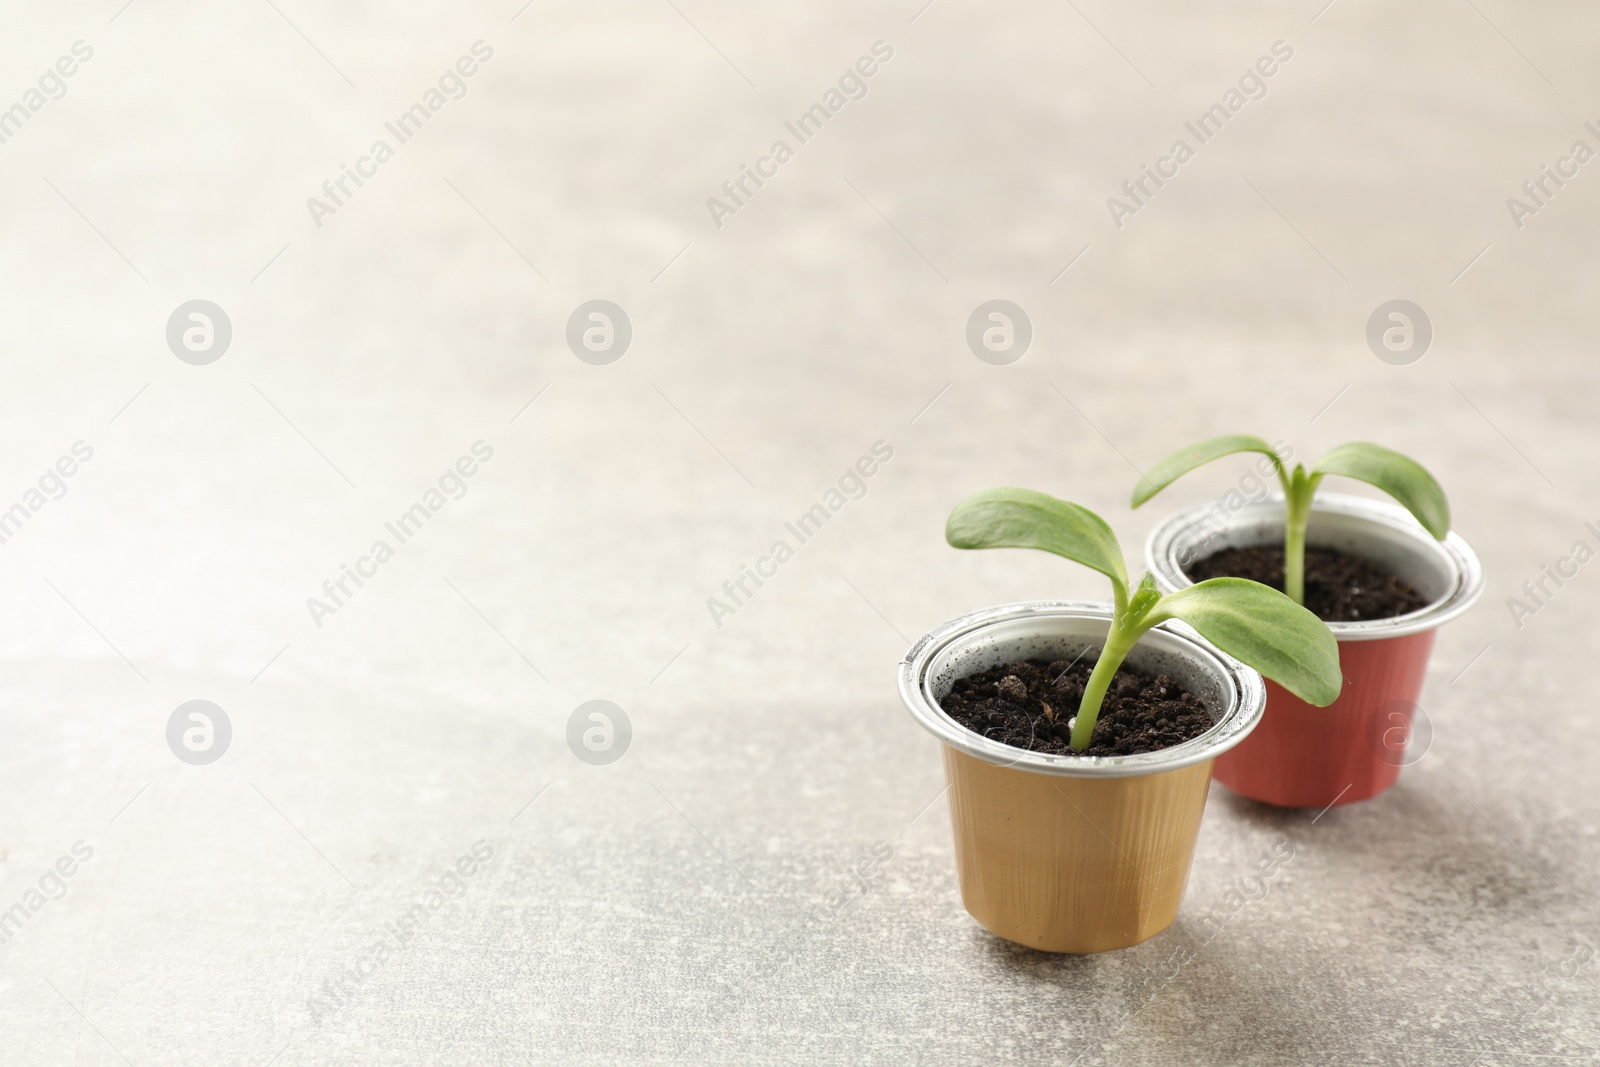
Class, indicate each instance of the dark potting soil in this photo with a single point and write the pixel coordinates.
(1027, 705)
(1339, 587)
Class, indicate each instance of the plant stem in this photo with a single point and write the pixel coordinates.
(1297, 515)
(1119, 640)
(1294, 564)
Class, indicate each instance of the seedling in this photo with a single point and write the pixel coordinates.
(1251, 622)
(1400, 476)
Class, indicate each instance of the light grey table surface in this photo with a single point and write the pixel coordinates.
(692, 901)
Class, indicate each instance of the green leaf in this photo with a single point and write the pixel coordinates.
(1400, 476)
(1023, 518)
(1181, 462)
(1260, 626)
(1145, 597)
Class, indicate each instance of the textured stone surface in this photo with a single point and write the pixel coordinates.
(692, 902)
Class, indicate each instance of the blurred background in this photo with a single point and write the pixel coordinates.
(692, 900)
